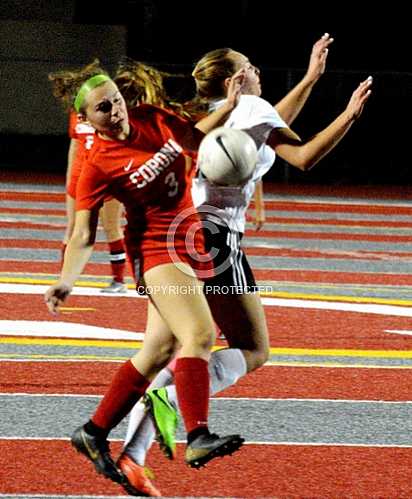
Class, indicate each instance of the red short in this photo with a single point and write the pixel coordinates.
(168, 239)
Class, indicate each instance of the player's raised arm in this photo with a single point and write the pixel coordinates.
(291, 105)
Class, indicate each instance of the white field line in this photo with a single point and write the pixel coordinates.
(397, 331)
(254, 399)
(66, 330)
(365, 308)
(57, 329)
(312, 444)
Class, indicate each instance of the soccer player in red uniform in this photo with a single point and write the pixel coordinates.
(138, 159)
(82, 137)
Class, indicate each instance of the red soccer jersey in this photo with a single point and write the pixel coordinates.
(147, 174)
(84, 134)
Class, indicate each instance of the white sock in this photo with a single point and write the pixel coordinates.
(225, 368)
(136, 417)
(141, 431)
(139, 443)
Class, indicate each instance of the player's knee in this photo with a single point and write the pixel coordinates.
(256, 358)
(69, 229)
(165, 353)
(113, 233)
(204, 339)
(200, 340)
(159, 355)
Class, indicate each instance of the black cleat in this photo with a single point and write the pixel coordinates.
(97, 451)
(208, 446)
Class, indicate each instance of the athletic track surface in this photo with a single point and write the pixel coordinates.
(329, 416)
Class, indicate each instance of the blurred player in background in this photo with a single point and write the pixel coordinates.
(81, 140)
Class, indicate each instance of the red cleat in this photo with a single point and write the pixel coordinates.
(137, 482)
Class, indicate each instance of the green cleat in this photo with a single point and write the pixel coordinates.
(165, 419)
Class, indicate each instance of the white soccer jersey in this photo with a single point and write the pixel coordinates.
(257, 117)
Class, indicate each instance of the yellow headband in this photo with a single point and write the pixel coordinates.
(88, 85)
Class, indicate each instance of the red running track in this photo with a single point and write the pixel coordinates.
(282, 471)
(277, 382)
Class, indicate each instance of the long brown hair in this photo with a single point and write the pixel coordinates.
(66, 84)
(140, 83)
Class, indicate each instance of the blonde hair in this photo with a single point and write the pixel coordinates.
(211, 71)
(66, 84)
(140, 83)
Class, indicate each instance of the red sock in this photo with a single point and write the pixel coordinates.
(117, 259)
(62, 252)
(192, 388)
(127, 387)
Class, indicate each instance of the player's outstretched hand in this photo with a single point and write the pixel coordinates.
(318, 56)
(359, 99)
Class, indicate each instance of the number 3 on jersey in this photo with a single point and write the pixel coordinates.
(171, 181)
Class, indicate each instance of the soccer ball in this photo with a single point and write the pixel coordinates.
(227, 156)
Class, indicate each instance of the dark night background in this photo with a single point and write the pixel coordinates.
(41, 36)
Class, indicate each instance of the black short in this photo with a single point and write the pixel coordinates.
(233, 272)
